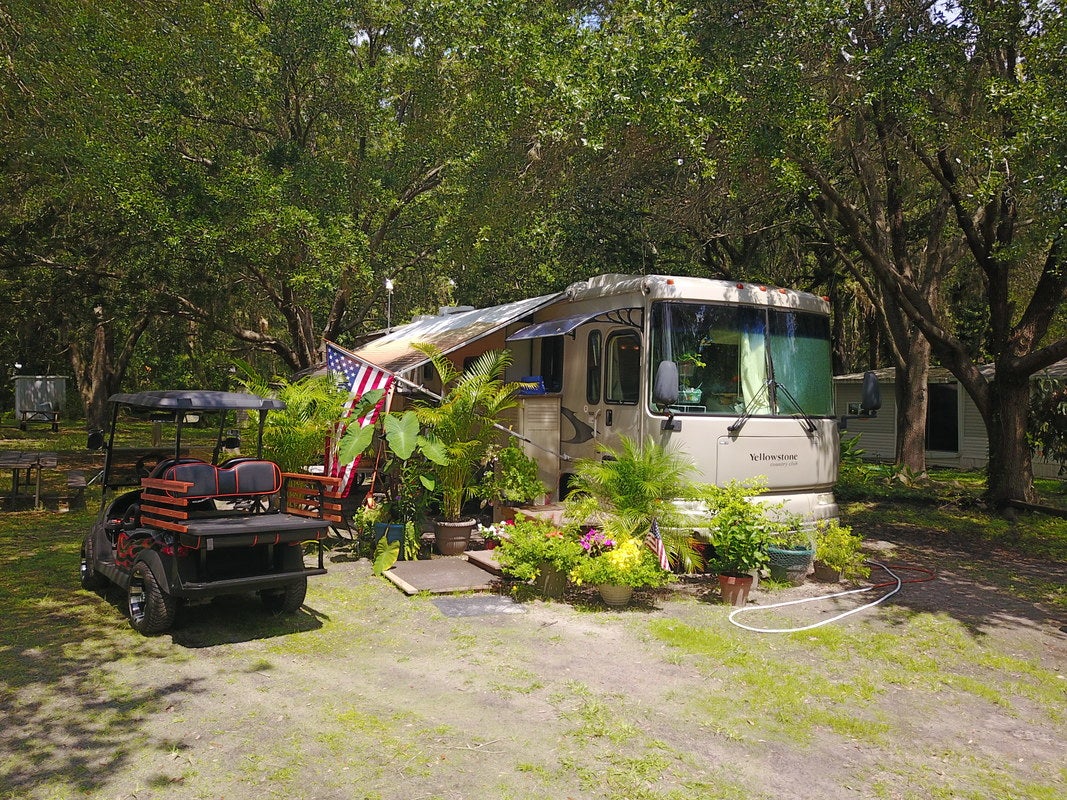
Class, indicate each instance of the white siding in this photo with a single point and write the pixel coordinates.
(878, 435)
(974, 445)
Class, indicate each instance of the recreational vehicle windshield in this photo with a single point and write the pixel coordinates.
(736, 376)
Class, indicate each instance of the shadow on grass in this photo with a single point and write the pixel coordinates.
(983, 587)
(68, 720)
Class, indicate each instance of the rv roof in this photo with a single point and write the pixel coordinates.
(667, 287)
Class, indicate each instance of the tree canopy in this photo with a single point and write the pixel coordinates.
(184, 184)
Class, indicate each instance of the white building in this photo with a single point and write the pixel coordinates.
(955, 433)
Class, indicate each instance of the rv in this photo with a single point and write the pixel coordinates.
(734, 375)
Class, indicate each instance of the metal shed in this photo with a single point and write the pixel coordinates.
(40, 398)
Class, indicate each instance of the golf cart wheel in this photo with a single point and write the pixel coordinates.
(287, 599)
(151, 609)
(90, 578)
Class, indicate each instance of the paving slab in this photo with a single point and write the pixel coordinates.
(486, 559)
(440, 576)
(478, 605)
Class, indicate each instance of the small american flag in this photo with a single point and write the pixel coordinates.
(359, 377)
(655, 541)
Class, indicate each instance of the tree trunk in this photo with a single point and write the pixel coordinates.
(1011, 474)
(93, 374)
(99, 374)
(912, 400)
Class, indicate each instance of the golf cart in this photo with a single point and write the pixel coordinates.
(174, 528)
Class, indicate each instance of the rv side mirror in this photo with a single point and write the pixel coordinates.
(96, 440)
(665, 388)
(871, 399)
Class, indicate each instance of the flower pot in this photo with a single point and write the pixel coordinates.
(393, 533)
(452, 538)
(735, 588)
(826, 574)
(615, 595)
(790, 564)
(551, 582)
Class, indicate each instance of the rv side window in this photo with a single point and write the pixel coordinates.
(592, 368)
(552, 363)
(622, 368)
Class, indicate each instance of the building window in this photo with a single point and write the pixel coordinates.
(593, 373)
(552, 363)
(622, 368)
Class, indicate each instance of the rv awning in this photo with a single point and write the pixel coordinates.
(554, 327)
(394, 351)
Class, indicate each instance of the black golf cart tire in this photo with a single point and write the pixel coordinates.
(90, 578)
(151, 609)
(287, 599)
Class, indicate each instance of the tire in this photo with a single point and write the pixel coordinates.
(151, 609)
(90, 578)
(286, 600)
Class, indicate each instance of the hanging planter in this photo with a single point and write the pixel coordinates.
(551, 582)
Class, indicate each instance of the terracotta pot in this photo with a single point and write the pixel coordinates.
(452, 538)
(615, 595)
(735, 588)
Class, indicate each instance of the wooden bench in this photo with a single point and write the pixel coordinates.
(76, 485)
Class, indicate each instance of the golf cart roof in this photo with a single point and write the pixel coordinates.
(196, 400)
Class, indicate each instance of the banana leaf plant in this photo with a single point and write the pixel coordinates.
(401, 464)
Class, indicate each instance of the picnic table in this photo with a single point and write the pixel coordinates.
(30, 463)
(44, 412)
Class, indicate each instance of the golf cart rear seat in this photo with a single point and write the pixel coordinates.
(184, 491)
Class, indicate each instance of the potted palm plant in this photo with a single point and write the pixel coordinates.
(462, 425)
(640, 482)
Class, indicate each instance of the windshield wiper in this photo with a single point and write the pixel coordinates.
(739, 423)
(809, 423)
(775, 387)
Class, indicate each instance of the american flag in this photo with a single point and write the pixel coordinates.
(359, 377)
(655, 541)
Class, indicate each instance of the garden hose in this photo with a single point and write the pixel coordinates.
(896, 583)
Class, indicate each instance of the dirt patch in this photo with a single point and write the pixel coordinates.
(953, 687)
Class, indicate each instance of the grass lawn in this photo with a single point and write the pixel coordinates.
(954, 689)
